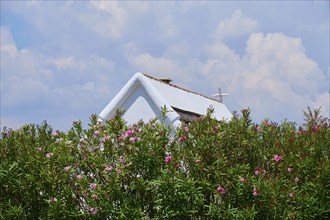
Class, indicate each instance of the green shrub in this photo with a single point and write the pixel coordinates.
(208, 170)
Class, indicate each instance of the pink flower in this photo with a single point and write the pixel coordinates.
(79, 176)
(256, 172)
(93, 185)
(121, 160)
(182, 138)
(128, 133)
(132, 139)
(52, 199)
(67, 168)
(291, 194)
(93, 211)
(49, 155)
(255, 192)
(221, 190)
(264, 171)
(56, 133)
(58, 140)
(197, 161)
(278, 157)
(187, 130)
(97, 133)
(289, 169)
(104, 139)
(296, 179)
(108, 168)
(242, 179)
(168, 159)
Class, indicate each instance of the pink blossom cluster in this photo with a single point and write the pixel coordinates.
(67, 168)
(255, 191)
(79, 176)
(93, 211)
(182, 138)
(56, 133)
(168, 159)
(53, 199)
(121, 160)
(278, 157)
(108, 168)
(257, 171)
(215, 130)
(93, 185)
(128, 133)
(49, 155)
(221, 189)
(97, 133)
(104, 139)
(58, 140)
(132, 139)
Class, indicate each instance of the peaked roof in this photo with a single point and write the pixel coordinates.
(181, 102)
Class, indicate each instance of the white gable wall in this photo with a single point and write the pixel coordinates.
(131, 102)
(139, 106)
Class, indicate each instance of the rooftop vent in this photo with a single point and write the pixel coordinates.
(165, 80)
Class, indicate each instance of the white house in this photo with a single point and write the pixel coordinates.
(144, 96)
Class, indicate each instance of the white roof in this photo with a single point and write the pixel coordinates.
(169, 95)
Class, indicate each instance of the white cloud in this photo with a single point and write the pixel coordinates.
(274, 76)
(32, 81)
(6, 36)
(116, 18)
(109, 26)
(237, 25)
(149, 64)
(7, 42)
(64, 62)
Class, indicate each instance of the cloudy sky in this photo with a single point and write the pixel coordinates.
(65, 60)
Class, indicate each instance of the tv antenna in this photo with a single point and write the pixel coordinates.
(220, 95)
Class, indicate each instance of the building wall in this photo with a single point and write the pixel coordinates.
(139, 106)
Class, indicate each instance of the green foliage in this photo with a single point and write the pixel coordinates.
(209, 170)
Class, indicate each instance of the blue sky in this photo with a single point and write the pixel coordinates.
(65, 60)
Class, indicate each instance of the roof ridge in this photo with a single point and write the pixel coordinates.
(178, 87)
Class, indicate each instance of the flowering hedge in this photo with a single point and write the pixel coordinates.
(209, 170)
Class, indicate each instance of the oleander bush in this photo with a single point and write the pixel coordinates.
(208, 170)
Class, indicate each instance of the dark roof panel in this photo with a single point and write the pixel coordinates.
(186, 116)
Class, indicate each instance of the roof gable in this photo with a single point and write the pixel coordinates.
(177, 100)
